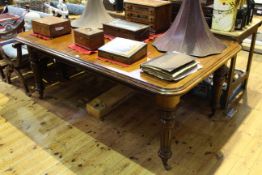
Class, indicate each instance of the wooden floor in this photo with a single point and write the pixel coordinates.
(56, 136)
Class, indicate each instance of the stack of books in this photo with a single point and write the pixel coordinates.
(171, 66)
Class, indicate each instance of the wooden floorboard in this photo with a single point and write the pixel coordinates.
(56, 135)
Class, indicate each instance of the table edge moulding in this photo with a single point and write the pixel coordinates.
(167, 94)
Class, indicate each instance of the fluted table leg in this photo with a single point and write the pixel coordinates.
(167, 106)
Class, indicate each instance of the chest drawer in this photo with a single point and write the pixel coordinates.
(140, 9)
(155, 13)
(141, 18)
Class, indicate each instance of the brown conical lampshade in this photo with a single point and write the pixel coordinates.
(93, 16)
(189, 33)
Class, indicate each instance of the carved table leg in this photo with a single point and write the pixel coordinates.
(36, 67)
(167, 106)
(218, 80)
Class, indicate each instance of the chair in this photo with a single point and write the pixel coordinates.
(14, 54)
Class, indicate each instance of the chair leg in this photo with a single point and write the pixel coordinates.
(2, 74)
(9, 71)
(23, 81)
(62, 73)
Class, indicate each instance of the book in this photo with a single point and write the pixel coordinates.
(123, 50)
(171, 66)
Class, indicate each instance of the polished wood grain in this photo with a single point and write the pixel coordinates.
(167, 93)
(130, 74)
(55, 135)
(150, 12)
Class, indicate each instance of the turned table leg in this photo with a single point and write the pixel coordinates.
(167, 106)
(218, 80)
(250, 57)
(36, 67)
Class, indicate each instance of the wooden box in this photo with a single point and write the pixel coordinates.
(123, 50)
(126, 29)
(90, 39)
(206, 4)
(51, 26)
(157, 14)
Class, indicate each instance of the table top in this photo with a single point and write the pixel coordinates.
(131, 75)
(239, 35)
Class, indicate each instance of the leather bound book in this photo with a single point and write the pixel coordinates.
(171, 66)
(123, 50)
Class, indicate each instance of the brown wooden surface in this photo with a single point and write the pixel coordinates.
(238, 36)
(108, 101)
(51, 26)
(57, 136)
(168, 94)
(131, 74)
(139, 35)
(157, 14)
(89, 40)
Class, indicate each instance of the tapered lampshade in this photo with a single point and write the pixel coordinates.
(93, 16)
(189, 33)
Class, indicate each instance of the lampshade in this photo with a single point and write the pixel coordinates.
(189, 33)
(93, 16)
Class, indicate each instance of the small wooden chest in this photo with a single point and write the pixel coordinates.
(126, 29)
(155, 13)
(51, 26)
(90, 39)
(123, 50)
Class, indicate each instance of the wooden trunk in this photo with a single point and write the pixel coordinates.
(125, 29)
(88, 38)
(123, 50)
(51, 26)
(157, 14)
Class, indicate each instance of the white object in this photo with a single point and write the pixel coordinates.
(224, 15)
(60, 10)
(28, 19)
(122, 46)
(258, 1)
(94, 16)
